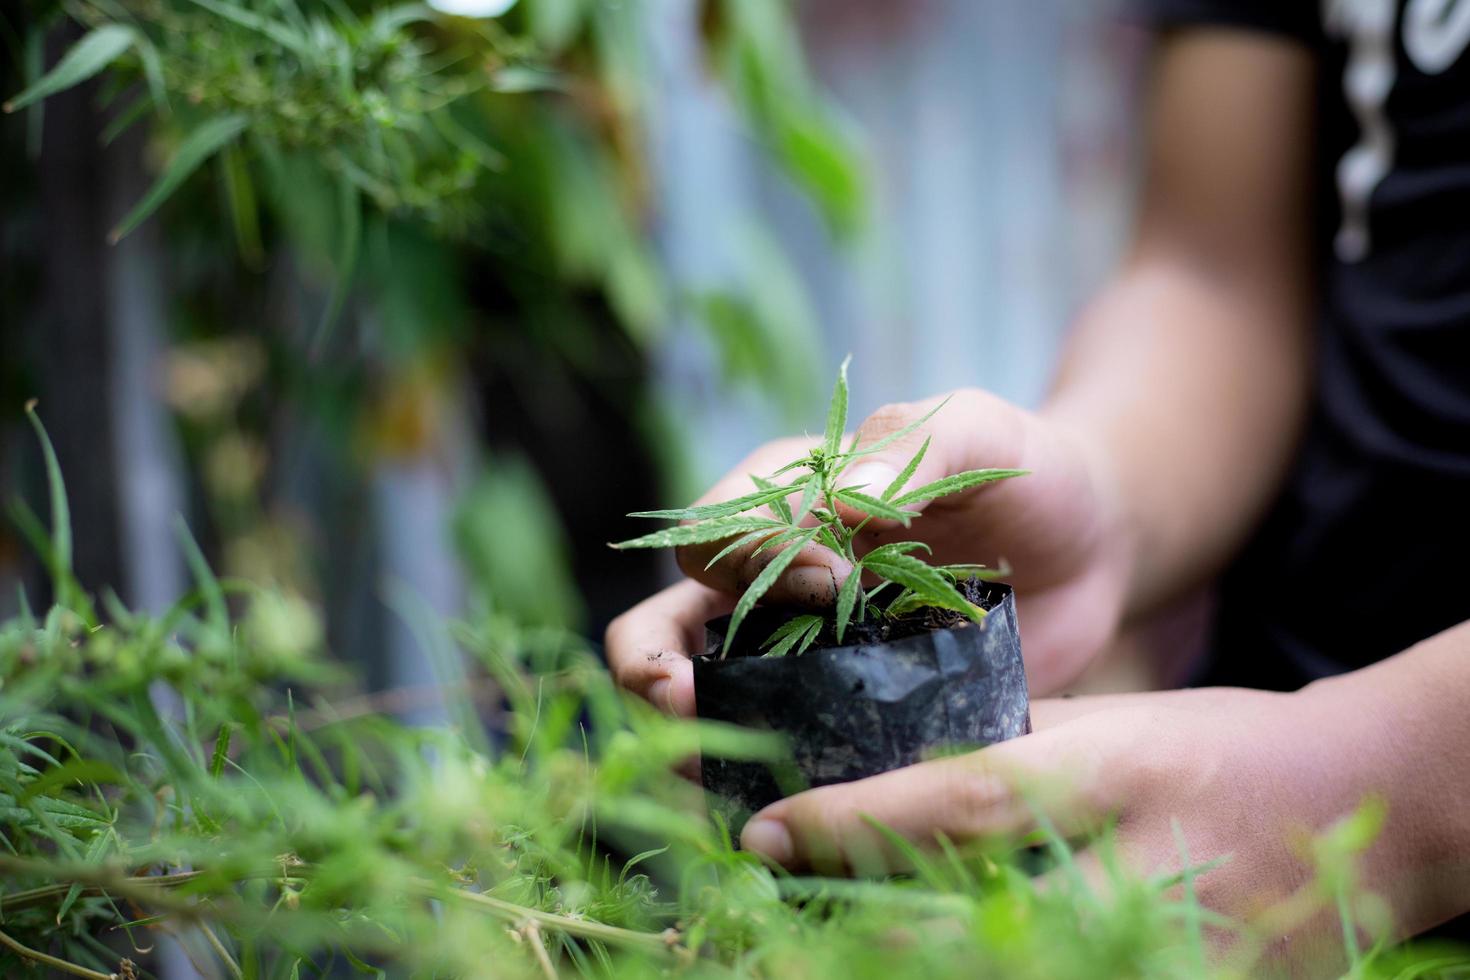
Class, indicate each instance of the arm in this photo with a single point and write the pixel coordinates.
(1245, 774)
(1189, 376)
(1170, 423)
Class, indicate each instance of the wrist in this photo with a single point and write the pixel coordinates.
(1389, 741)
(1119, 534)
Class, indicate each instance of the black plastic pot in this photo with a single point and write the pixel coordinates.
(855, 711)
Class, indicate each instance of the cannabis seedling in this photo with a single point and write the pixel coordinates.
(767, 516)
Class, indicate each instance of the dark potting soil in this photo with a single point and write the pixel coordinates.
(872, 632)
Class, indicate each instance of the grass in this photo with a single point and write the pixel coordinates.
(279, 824)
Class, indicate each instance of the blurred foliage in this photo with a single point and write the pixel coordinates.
(187, 776)
(369, 209)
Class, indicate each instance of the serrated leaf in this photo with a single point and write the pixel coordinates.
(956, 483)
(808, 500)
(898, 548)
(889, 439)
(95, 51)
(925, 580)
(837, 412)
(907, 472)
(827, 539)
(763, 583)
(847, 599)
(874, 507)
(792, 632)
(724, 508)
(714, 529)
(739, 542)
(197, 147)
(779, 505)
(776, 540)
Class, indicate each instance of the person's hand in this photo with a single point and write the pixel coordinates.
(1246, 774)
(1059, 529)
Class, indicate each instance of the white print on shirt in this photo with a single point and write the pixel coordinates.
(1366, 82)
(1436, 33)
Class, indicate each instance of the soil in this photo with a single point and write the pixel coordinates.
(872, 632)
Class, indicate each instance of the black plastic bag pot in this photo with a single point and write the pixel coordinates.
(855, 711)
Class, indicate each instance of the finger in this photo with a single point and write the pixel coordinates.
(649, 646)
(996, 793)
(968, 433)
(812, 578)
(1048, 713)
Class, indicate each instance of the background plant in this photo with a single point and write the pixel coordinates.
(378, 240)
(187, 775)
(767, 516)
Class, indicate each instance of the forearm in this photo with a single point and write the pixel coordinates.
(1189, 389)
(1188, 377)
(1405, 734)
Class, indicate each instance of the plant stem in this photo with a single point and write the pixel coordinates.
(220, 951)
(103, 879)
(649, 942)
(45, 959)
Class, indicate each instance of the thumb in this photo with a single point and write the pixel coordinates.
(996, 794)
(908, 445)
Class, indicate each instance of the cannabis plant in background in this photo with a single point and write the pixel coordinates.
(768, 518)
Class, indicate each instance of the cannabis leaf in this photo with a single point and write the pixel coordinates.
(765, 521)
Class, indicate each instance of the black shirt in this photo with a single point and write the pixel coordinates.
(1367, 549)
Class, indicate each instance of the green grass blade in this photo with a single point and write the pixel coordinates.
(60, 512)
(201, 144)
(95, 51)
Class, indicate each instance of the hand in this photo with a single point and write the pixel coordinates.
(1245, 773)
(1059, 528)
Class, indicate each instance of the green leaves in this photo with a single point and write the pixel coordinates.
(923, 579)
(94, 52)
(800, 632)
(816, 518)
(837, 412)
(875, 507)
(846, 599)
(198, 146)
(714, 529)
(907, 473)
(763, 583)
(954, 484)
(726, 508)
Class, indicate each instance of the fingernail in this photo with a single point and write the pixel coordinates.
(872, 477)
(660, 694)
(769, 837)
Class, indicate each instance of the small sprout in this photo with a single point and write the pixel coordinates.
(766, 519)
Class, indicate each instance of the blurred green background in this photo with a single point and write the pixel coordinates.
(381, 296)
